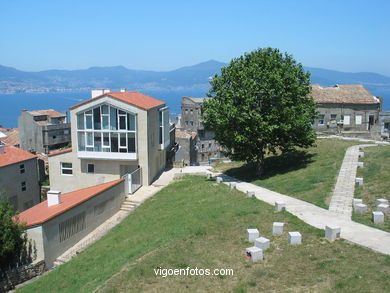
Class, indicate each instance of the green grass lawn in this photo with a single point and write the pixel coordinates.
(197, 223)
(309, 174)
(376, 176)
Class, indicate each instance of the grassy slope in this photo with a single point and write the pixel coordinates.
(198, 223)
(376, 175)
(308, 175)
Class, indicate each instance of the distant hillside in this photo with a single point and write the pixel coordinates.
(194, 77)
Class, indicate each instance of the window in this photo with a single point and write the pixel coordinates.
(333, 117)
(192, 111)
(90, 168)
(202, 146)
(164, 136)
(22, 168)
(106, 129)
(186, 111)
(192, 123)
(387, 126)
(66, 169)
(209, 145)
(66, 131)
(187, 123)
(321, 120)
(72, 226)
(24, 186)
(358, 119)
(347, 119)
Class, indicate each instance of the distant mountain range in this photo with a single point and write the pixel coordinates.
(194, 77)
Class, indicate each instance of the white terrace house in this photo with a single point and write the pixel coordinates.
(114, 134)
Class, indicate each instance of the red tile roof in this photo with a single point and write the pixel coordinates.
(12, 136)
(41, 213)
(343, 94)
(133, 98)
(58, 152)
(49, 112)
(13, 155)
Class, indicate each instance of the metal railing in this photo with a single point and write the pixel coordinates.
(134, 180)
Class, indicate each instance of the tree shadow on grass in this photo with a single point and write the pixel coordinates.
(274, 165)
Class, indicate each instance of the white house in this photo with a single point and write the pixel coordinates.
(114, 135)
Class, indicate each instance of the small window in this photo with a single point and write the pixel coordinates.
(22, 168)
(66, 169)
(24, 186)
(186, 111)
(192, 123)
(321, 119)
(187, 123)
(333, 117)
(358, 119)
(202, 146)
(209, 145)
(91, 168)
(66, 131)
(347, 119)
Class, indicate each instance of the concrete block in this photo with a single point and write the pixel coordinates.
(277, 228)
(361, 154)
(254, 253)
(378, 217)
(280, 206)
(379, 201)
(357, 201)
(250, 194)
(209, 176)
(332, 232)
(359, 180)
(219, 180)
(384, 208)
(294, 238)
(361, 208)
(233, 185)
(263, 243)
(360, 164)
(252, 234)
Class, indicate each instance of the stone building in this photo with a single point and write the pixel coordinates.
(206, 147)
(114, 134)
(19, 177)
(43, 130)
(384, 121)
(348, 110)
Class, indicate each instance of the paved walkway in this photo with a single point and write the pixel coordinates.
(341, 201)
(360, 234)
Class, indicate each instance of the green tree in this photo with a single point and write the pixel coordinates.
(260, 103)
(13, 240)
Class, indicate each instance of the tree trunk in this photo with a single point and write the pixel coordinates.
(260, 166)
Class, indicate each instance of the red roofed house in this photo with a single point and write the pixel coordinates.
(114, 134)
(58, 223)
(349, 110)
(19, 179)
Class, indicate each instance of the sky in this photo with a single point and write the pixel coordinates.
(344, 35)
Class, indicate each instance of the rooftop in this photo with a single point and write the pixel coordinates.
(343, 94)
(41, 212)
(58, 152)
(49, 112)
(13, 155)
(182, 133)
(133, 98)
(10, 137)
(197, 100)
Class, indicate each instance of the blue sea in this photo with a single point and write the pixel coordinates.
(12, 104)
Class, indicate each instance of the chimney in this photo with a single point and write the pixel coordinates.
(53, 198)
(2, 151)
(99, 92)
(123, 90)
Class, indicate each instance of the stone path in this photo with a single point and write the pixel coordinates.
(360, 234)
(341, 201)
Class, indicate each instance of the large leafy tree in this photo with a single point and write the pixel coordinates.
(14, 246)
(260, 103)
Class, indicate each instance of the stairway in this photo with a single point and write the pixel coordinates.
(128, 205)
